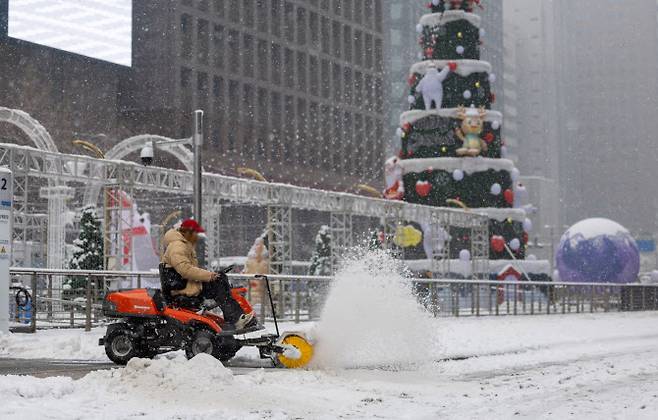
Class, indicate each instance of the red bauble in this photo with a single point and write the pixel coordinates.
(497, 243)
(429, 52)
(489, 138)
(412, 80)
(492, 97)
(423, 188)
(509, 196)
(400, 154)
(524, 238)
(406, 127)
(452, 66)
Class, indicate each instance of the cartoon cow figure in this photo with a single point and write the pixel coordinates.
(431, 85)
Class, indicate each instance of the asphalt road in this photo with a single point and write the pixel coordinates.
(45, 368)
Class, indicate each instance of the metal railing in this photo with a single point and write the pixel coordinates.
(72, 298)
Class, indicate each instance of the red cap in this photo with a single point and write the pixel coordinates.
(193, 225)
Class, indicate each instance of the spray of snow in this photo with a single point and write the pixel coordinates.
(372, 319)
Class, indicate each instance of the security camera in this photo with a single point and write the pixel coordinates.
(147, 154)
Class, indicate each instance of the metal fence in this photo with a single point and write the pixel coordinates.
(35, 303)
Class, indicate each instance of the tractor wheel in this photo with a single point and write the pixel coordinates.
(120, 345)
(203, 341)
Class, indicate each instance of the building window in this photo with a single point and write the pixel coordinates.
(289, 128)
(347, 85)
(233, 108)
(186, 35)
(314, 30)
(185, 77)
(203, 5)
(379, 55)
(218, 46)
(289, 68)
(358, 89)
(369, 47)
(325, 79)
(325, 39)
(202, 41)
(301, 26)
(358, 11)
(301, 137)
(301, 71)
(263, 59)
(314, 75)
(336, 38)
(337, 82)
(247, 118)
(347, 43)
(234, 11)
(358, 48)
(218, 6)
(313, 141)
(234, 51)
(347, 9)
(289, 22)
(379, 17)
(248, 12)
(368, 13)
(275, 10)
(276, 63)
(261, 16)
(248, 56)
(275, 124)
(338, 7)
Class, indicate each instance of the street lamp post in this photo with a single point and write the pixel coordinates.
(197, 140)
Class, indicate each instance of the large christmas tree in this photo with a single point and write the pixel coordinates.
(452, 152)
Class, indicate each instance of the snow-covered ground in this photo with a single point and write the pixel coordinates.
(390, 360)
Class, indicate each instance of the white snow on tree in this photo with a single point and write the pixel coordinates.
(88, 254)
(321, 259)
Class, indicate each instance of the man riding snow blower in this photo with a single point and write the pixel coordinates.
(192, 286)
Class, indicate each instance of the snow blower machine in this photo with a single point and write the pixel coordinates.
(149, 322)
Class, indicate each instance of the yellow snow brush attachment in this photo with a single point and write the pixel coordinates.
(297, 353)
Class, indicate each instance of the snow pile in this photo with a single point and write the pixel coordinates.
(54, 344)
(166, 376)
(597, 226)
(371, 318)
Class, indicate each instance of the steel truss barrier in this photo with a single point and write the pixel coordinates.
(26, 163)
(340, 225)
(279, 219)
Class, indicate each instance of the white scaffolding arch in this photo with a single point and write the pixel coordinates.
(31, 127)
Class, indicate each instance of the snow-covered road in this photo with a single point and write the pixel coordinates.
(578, 366)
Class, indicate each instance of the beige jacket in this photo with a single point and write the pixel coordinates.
(181, 255)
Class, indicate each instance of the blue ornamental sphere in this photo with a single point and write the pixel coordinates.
(598, 251)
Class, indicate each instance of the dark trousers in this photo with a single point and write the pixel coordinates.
(220, 291)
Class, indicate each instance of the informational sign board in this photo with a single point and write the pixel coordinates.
(6, 197)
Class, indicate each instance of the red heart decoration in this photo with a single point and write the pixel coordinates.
(498, 243)
(423, 188)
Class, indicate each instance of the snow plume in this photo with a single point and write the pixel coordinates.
(372, 319)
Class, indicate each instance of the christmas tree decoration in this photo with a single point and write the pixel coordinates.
(88, 254)
(321, 258)
(509, 197)
(431, 87)
(452, 151)
(423, 188)
(497, 243)
(515, 244)
(470, 130)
